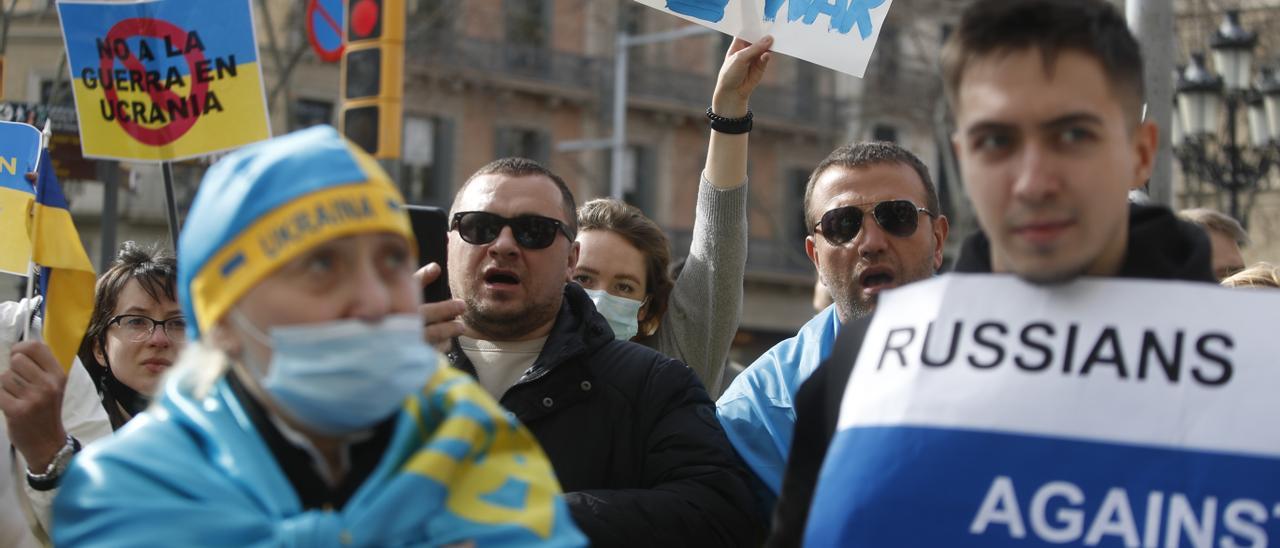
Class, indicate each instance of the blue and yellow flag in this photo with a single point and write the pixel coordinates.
(19, 147)
(163, 80)
(66, 275)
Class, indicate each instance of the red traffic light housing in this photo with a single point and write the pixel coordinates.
(373, 76)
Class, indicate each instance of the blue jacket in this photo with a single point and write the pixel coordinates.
(193, 471)
(756, 410)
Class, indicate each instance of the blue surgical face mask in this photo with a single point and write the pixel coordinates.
(343, 376)
(622, 313)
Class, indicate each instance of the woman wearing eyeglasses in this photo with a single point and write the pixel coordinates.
(623, 257)
(136, 331)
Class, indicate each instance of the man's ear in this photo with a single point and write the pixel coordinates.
(941, 227)
(1146, 142)
(811, 251)
(574, 248)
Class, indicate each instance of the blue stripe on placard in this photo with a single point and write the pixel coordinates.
(911, 486)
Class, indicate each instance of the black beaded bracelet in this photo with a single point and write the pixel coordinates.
(731, 126)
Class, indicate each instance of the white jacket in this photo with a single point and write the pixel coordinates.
(24, 512)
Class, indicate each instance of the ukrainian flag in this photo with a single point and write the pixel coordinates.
(19, 145)
(66, 275)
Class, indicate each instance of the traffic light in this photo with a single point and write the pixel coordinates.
(373, 76)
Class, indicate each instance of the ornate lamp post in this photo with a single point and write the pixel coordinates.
(1207, 143)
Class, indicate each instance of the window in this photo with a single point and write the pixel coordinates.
(631, 18)
(310, 112)
(59, 90)
(806, 90)
(528, 22)
(528, 28)
(427, 160)
(884, 132)
(794, 225)
(889, 51)
(639, 178)
(639, 183)
(430, 20)
(524, 143)
(722, 46)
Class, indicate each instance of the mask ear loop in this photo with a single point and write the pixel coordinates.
(256, 334)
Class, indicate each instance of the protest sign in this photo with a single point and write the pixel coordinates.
(19, 152)
(985, 411)
(837, 34)
(161, 80)
(64, 143)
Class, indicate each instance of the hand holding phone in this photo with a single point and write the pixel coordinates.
(430, 225)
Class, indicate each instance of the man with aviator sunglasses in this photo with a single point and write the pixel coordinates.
(874, 224)
(631, 433)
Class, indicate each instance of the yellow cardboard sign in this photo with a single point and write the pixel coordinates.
(164, 80)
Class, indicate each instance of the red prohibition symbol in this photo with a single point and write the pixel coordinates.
(155, 28)
(330, 28)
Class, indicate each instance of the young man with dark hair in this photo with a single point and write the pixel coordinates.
(1047, 96)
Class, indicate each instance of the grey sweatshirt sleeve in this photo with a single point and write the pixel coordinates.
(705, 306)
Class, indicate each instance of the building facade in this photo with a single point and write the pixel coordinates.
(492, 78)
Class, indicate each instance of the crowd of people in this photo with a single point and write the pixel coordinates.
(280, 382)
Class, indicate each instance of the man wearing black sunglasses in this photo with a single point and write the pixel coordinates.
(874, 224)
(630, 432)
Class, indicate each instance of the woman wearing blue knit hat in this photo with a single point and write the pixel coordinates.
(308, 410)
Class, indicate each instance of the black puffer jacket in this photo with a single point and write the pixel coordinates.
(633, 438)
(1160, 247)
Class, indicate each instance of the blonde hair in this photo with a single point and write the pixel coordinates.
(1259, 275)
(1216, 221)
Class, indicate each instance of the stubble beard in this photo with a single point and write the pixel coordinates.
(852, 304)
(514, 325)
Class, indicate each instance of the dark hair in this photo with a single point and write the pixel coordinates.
(154, 269)
(1092, 27)
(866, 154)
(523, 167)
(627, 221)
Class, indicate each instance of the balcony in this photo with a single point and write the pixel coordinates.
(572, 72)
(764, 256)
(693, 90)
(591, 77)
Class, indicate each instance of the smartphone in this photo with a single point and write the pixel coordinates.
(430, 224)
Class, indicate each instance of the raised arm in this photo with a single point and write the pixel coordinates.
(743, 68)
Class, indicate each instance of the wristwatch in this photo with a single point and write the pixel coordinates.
(52, 475)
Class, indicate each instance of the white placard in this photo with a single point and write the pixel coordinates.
(837, 34)
(1100, 412)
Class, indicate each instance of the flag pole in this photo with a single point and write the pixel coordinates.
(166, 168)
(31, 265)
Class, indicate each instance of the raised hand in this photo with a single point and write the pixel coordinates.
(440, 320)
(743, 69)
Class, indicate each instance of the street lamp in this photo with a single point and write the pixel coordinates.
(1210, 153)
